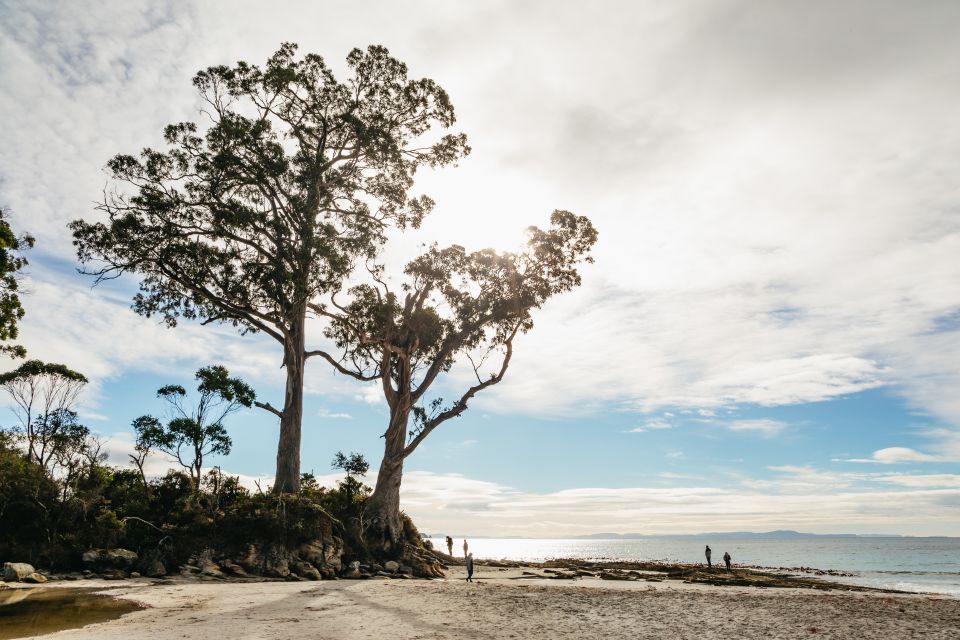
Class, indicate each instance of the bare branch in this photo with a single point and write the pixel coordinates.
(460, 405)
(268, 407)
(339, 366)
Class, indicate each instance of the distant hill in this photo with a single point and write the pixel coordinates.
(780, 534)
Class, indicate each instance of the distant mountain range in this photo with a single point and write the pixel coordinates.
(734, 535)
(781, 534)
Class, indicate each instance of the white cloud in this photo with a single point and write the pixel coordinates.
(653, 425)
(776, 201)
(326, 413)
(454, 503)
(763, 426)
(923, 481)
(895, 455)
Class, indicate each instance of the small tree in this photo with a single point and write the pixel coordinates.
(148, 431)
(353, 465)
(298, 176)
(11, 262)
(191, 434)
(73, 452)
(456, 304)
(43, 394)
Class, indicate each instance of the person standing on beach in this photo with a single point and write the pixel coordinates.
(726, 559)
(465, 547)
(707, 553)
(470, 567)
(449, 546)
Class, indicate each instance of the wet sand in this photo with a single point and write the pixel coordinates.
(501, 604)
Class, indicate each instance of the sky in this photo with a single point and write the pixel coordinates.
(769, 337)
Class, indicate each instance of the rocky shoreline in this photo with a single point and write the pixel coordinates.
(323, 562)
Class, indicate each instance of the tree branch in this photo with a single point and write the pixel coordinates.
(339, 367)
(268, 407)
(460, 405)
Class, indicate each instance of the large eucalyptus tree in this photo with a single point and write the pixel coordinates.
(454, 304)
(297, 178)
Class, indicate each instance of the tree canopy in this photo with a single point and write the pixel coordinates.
(298, 177)
(193, 433)
(12, 261)
(43, 395)
(454, 304)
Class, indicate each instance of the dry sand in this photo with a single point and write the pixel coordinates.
(500, 606)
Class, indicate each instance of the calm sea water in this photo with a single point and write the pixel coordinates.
(908, 564)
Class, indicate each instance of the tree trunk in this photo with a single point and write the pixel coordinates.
(288, 448)
(383, 507)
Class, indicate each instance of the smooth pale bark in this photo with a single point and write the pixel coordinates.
(287, 479)
(383, 506)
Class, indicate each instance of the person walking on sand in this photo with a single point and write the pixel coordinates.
(465, 548)
(709, 554)
(470, 567)
(726, 559)
(449, 546)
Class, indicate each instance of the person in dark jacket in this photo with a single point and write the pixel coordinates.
(469, 567)
(709, 554)
(726, 559)
(449, 545)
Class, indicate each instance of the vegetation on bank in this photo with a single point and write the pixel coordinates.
(51, 516)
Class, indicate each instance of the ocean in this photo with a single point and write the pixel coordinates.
(909, 564)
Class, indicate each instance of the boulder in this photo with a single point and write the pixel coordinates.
(276, 562)
(35, 578)
(204, 562)
(155, 569)
(115, 574)
(16, 571)
(324, 553)
(209, 568)
(328, 573)
(305, 570)
(607, 575)
(99, 559)
(391, 566)
(273, 561)
(312, 552)
(353, 571)
(234, 569)
(251, 559)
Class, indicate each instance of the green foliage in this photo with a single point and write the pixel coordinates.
(353, 491)
(32, 371)
(43, 394)
(354, 464)
(191, 434)
(11, 262)
(298, 177)
(455, 304)
(27, 493)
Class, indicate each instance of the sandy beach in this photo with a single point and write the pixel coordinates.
(499, 605)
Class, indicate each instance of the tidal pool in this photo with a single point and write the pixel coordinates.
(35, 611)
